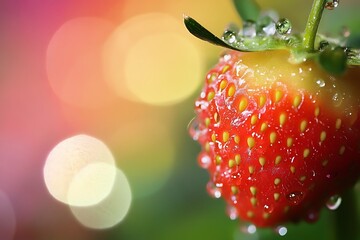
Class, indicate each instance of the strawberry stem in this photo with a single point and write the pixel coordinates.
(248, 10)
(313, 24)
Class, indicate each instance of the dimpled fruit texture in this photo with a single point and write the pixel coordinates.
(278, 139)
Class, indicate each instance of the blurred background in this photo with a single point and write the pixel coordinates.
(95, 100)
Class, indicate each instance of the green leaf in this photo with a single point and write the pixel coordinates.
(248, 10)
(199, 31)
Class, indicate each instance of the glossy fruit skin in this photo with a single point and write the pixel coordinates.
(277, 148)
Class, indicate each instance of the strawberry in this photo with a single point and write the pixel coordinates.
(279, 137)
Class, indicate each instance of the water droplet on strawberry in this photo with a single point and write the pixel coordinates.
(212, 190)
(193, 128)
(321, 83)
(337, 99)
(204, 160)
(295, 197)
(232, 212)
(334, 202)
(283, 26)
(281, 230)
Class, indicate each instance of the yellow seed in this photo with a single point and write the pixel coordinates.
(338, 123)
(317, 112)
(322, 136)
(231, 91)
(231, 163)
(237, 139)
(276, 196)
(289, 142)
(277, 160)
(306, 153)
(213, 137)
(262, 161)
(292, 169)
(303, 125)
(225, 136)
(207, 122)
(251, 169)
(234, 190)
(342, 150)
(216, 117)
(277, 181)
(251, 142)
(218, 160)
(207, 146)
(272, 137)
(253, 190)
(253, 201)
(237, 159)
(302, 178)
(263, 126)
(243, 104)
(223, 84)
(210, 95)
(266, 215)
(250, 214)
(262, 101)
(253, 119)
(225, 69)
(282, 119)
(278, 95)
(297, 101)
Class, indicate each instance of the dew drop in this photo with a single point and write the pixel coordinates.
(337, 99)
(193, 128)
(323, 44)
(249, 29)
(204, 160)
(269, 29)
(266, 25)
(229, 37)
(295, 198)
(281, 230)
(212, 190)
(283, 26)
(232, 212)
(334, 202)
(332, 5)
(320, 83)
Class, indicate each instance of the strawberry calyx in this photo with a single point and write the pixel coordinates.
(263, 31)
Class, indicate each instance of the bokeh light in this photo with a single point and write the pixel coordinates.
(80, 171)
(7, 218)
(139, 60)
(74, 62)
(145, 150)
(109, 212)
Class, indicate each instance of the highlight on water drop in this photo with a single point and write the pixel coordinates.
(334, 202)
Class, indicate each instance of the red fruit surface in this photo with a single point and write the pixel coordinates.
(278, 139)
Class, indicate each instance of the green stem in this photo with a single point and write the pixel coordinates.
(247, 9)
(313, 24)
(346, 220)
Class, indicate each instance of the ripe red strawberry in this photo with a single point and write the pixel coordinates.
(278, 139)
